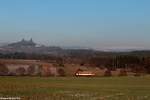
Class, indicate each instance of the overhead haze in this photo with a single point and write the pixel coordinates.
(99, 24)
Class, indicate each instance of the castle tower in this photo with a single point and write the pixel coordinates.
(23, 40)
(31, 40)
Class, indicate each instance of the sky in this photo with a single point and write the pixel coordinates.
(98, 24)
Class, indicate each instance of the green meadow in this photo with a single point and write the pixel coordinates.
(76, 88)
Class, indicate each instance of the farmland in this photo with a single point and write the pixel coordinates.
(76, 88)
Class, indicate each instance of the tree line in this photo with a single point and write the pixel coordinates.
(136, 61)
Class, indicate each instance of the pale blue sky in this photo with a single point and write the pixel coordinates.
(89, 23)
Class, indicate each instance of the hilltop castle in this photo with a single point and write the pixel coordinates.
(23, 42)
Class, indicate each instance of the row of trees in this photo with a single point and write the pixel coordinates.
(4, 70)
(31, 71)
(22, 55)
(135, 63)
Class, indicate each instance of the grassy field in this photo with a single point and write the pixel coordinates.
(73, 88)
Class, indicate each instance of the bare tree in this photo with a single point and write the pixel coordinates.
(46, 71)
(123, 72)
(31, 70)
(108, 73)
(20, 71)
(3, 69)
(61, 72)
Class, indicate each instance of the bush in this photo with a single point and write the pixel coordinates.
(48, 72)
(12, 74)
(61, 65)
(137, 74)
(123, 72)
(39, 70)
(108, 73)
(20, 71)
(3, 70)
(31, 70)
(81, 64)
(61, 72)
(79, 70)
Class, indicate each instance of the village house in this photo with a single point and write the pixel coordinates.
(84, 73)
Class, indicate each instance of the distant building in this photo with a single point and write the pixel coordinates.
(84, 73)
(23, 42)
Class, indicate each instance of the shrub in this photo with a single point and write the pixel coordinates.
(31, 70)
(12, 74)
(61, 65)
(61, 72)
(123, 72)
(81, 64)
(3, 70)
(108, 73)
(20, 71)
(46, 71)
(39, 70)
(79, 70)
(137, 74)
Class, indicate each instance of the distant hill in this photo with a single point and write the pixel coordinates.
(30, 47)
(23, 43)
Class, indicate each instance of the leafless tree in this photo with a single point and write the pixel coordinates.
(20, 71)
(61, 72)
(31, 70)
(3, 70)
